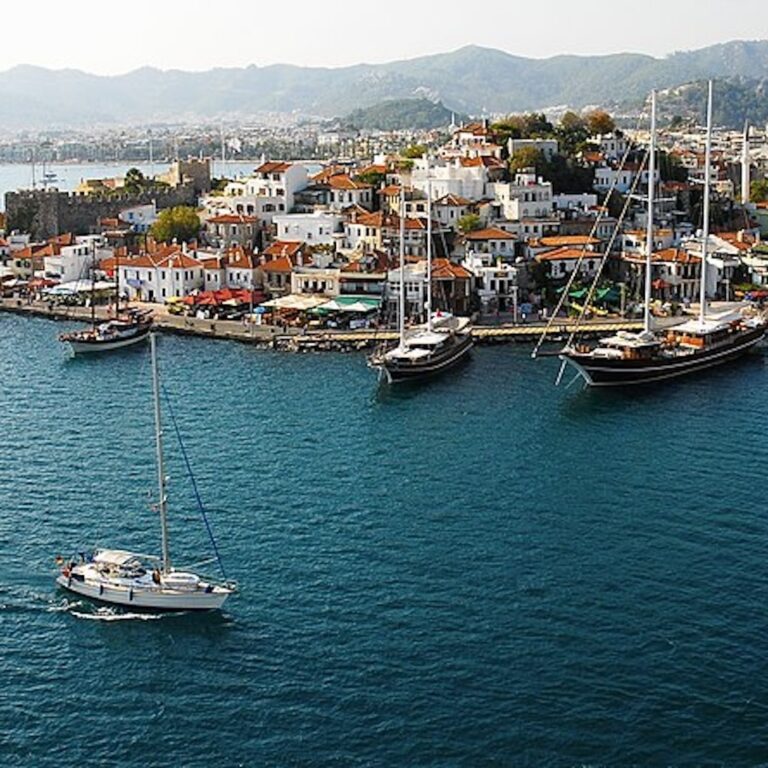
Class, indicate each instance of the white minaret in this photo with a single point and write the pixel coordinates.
(745, 176)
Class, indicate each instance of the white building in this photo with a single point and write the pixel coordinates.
(460, 177)
(548, 147)
(318, 228)
(527, 197)
(74, 262)
(160, 276)
(415, 277)
(277, 180)
(496, 282)
(311, 280)
(140, 218)
(345, 192)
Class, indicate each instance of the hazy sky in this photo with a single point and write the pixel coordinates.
(110, 38)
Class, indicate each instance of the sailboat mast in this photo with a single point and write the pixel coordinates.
(163, 505)
(93, 283)
(429, 255)
(745, 173)
(649, 231)
(705, 223)
(117, 282)
(402, 266)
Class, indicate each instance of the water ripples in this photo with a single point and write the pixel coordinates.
(485, 571)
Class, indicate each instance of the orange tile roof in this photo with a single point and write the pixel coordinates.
(374, 168)
(332, 170)
(283, 248)
(556, 241)
(567, 254)
(676, 255)
(342, 181)
(391, 190)
(280, 264)
(443, 269)
(454, 201)
(232, 218)
(273, 167)
(489, 233)
(239, 258)
(487, 161)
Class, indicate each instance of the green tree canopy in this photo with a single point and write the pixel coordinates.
(758, 191)
(134, 181)
(670, 168)
(414, 151)
(599, 122)
(374, 178)
(181, 223)
(470, 222)
(526, 157)
(572, 133)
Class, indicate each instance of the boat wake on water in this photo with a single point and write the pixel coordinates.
(114, 614)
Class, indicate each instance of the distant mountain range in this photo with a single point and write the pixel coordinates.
(471, 80)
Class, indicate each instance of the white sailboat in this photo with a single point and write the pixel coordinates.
(134, 580)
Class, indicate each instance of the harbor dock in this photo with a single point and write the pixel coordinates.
(298, 339)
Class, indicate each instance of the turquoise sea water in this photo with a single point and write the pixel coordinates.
(486, 571)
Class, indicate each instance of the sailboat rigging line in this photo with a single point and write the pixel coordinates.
(560, 373)
(608, 250)
(601, 213)
(191, 474)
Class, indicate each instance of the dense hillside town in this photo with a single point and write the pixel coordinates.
(516, 206)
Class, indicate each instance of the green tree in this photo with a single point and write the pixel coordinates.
(181, 223)
(135, 181)
(414, 151)
(527, 157)
(374, 178)
(758, 191)
(670, 167)
(470, 222)
(572, 133)
(599, 122)
(536, 126)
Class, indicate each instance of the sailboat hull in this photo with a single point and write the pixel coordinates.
(622, 372)
(396, 372)
(143, 597)
(97, 344)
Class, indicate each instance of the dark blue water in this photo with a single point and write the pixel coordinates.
(485, 572)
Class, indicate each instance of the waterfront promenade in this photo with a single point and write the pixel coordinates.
(298, 337)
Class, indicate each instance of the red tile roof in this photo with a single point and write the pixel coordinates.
(342, 181)
(273, 167)
(443, 269)
(453, 201)
(567, 254)
(557, 241)
(232, 218)
(283, 248)
(489, 233)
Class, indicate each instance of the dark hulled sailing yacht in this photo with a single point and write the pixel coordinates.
(637, 358)
(124, 329)
(430, 349)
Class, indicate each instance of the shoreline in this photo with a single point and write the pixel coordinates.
(301, 339)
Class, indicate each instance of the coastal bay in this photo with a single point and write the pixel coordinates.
(483, 570)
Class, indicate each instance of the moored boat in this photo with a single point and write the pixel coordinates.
(428, 350)
(628, 359)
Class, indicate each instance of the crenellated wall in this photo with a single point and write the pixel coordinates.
(47, 213)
